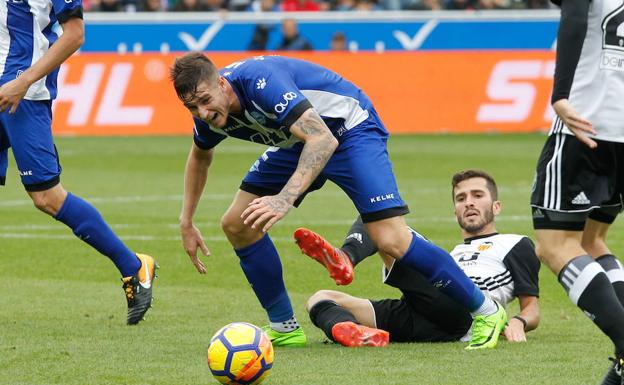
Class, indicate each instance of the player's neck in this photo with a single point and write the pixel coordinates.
(488, 229)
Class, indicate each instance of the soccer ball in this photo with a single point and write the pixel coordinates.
(240, 354)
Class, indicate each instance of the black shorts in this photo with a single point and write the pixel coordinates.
(573, 182)
(423, 314)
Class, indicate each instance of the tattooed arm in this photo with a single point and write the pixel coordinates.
(319, 145)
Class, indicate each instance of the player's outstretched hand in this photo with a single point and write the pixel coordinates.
(577, 124)
(11, 94)
(514, 332)
(193, 240)
(267, 210)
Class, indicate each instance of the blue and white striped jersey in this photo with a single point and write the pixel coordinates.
(274, 91)
(26, 34)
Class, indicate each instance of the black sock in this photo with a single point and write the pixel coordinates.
(325, 314)
(615, 272)
(589, 288)
(358, 245)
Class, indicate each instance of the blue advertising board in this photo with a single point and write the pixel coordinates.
(516, 30)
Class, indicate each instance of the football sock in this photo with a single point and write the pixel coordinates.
(325, 314)
(589, 288)
(615, 272)
(442, 272)
(358, 245)
(88, 225)
(263, 269)
(285, 326)
(488, 307)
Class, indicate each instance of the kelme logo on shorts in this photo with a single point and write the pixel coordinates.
(380, 198)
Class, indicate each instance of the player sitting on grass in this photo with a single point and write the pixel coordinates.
(503, 266)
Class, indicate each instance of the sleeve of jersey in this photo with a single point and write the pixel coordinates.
(280, 98)
(204, 137)
(570, 38)
(67, 9)
(524, 266)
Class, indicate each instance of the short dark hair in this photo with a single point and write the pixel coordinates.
(189, 70)
(473, 173)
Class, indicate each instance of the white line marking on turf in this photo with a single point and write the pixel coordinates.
(287, 222)
(147, 238)
(230, 196)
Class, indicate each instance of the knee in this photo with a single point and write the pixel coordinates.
(544, 251)
(390, 246)
(323, 295)
(232, 225)
(594, 246)
(46, 202)
(391, 241)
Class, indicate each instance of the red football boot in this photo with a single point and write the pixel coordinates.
(336, 261)
(351, 334)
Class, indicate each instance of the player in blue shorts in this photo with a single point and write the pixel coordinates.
(318, 127)
(30, 55)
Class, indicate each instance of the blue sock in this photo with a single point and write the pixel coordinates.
(441, 271)
(263, 269)
(88, 225)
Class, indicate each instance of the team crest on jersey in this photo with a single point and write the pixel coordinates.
(485, 246)
(261, 83)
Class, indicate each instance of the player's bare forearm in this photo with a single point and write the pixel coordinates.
(68, 43)
(195, 177)
(12, 93)
(319, 146)
(530, 311)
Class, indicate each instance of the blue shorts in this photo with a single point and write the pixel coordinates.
(28, 132)
(360, 167)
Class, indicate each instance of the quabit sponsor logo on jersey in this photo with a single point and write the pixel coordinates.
(612, 61)
(288, 96)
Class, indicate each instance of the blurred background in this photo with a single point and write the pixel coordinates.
(430, 66)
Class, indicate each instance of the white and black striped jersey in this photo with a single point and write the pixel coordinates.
(597, 89)
(503, 266)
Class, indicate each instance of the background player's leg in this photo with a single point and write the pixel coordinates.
(594, 242)
(37, 159)
(261, 264)
(30, 135)
(584, 280)
(88, 225)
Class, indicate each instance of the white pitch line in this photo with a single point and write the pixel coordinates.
(230, 196)
(296, 222)
(147, 238)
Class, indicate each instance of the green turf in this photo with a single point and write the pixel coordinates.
(62, 310)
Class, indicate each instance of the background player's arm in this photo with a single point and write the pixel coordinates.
(530, 312)
(195, 177)
(11, 93)
(570, 38)
(319, 145)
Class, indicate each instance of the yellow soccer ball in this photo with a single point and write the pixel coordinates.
(240, 354)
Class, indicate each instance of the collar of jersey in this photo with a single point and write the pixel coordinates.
(468, 240)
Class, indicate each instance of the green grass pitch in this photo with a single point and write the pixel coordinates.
(62, 310)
